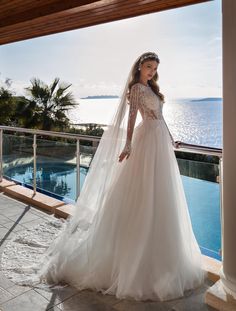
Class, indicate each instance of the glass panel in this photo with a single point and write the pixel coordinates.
(203, 198)
(56, 164)
(56, 167)
(87, 153)
(199, 169)
(18, 158)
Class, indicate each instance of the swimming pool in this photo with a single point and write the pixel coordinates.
(203, 197)
(56, 178)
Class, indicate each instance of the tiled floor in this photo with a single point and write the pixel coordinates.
(16, 216)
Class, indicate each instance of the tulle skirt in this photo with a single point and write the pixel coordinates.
(142, 245)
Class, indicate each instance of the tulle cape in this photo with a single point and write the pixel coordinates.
(101, 177)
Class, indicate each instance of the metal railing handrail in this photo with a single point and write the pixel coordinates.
(192, 148)
(49, 133)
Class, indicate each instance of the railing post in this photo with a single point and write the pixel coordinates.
(1, 158)
(221, 200)
(35, 164)
(77, 168)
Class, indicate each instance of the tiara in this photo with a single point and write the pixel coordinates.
(149, 55)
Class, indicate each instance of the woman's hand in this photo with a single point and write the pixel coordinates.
(176, 144)
(126, 151)
(123, 155)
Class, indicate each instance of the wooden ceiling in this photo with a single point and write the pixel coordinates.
(25, 19)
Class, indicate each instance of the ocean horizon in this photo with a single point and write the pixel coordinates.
(190, 120)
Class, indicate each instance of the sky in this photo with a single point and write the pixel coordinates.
(96, 60)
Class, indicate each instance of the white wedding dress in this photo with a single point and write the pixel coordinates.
(141, 245)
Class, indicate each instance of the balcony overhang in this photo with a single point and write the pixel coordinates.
(26, 19)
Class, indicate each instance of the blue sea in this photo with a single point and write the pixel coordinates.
(190, 120)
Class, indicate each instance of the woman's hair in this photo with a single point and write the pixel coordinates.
(136, 74)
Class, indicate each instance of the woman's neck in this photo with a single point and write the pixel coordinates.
(144, 82)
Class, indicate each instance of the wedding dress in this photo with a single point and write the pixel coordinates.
(139, 243)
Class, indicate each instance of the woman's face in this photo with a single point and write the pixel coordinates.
(148, 69)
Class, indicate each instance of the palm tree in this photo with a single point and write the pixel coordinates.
(49, 103)
(26, 113)
(6, 103)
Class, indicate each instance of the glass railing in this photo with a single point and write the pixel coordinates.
(200, 168)
(18, 158)
(202, 190)
(49, 162)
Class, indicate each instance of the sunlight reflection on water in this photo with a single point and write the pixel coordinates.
(198, 122)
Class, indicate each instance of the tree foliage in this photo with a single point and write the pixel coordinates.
(46, 105)
(5, 106)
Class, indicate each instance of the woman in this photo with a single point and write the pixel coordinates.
(131, 234)
(144, 73)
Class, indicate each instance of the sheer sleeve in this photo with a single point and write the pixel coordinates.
(134, 100)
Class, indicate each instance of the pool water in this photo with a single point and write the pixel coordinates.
(52, 177)
(203, 197)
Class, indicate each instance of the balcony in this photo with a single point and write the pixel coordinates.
(46, 171)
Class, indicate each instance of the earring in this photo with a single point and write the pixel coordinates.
(139, 68)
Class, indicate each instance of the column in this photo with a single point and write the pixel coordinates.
(228, 272)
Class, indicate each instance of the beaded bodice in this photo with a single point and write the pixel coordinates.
(142, 98)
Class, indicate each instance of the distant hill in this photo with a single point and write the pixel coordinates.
(207, 99)
(100, 96)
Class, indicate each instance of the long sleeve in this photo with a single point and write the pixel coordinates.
(133, 110)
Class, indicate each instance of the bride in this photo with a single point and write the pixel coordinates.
(131, 234)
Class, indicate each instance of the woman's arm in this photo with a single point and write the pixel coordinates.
(133, 110)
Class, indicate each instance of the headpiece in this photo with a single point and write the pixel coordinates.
(149, 55)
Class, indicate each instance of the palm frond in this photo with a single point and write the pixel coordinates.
(54, 85)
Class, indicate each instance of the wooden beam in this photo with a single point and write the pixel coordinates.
(94, 13)
(40, 10)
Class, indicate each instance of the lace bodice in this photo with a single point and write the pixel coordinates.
(143, 99)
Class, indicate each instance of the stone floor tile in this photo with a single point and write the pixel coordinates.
(14, 226)
(27, 302)
(40, 212)
(23, 218)
(17, 290)
(57, 294)
(107, 299)
(6, 234)
(132, 305)
(3, 219)
(4, 295)
(84, 301)
(33, 223)
(15, 210)
(6, 201)
(5, 283)
(2, 247)
(194, 302)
